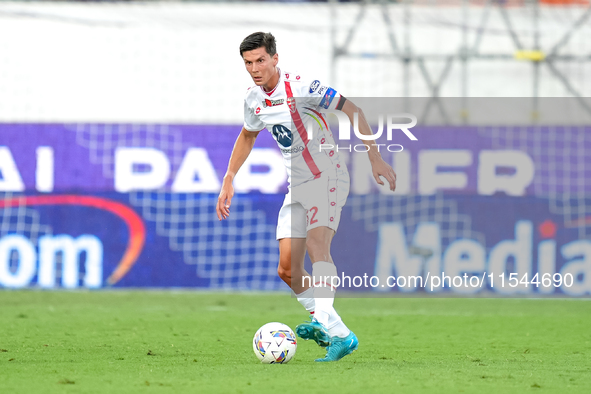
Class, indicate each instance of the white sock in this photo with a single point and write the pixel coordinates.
(306, 298)
(336, 327)
(322, 271)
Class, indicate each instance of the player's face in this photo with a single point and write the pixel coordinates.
(261, 67)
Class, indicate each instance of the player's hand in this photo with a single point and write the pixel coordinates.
(380, 168)
(225, 200)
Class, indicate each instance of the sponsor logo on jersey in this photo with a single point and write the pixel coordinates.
(298, 77)
(291, 103)
(314, 86)
(258, 110)
(295, 149)
(328, 97)
(272, 103)
(322, 90)
(286, 76)
(283, 135)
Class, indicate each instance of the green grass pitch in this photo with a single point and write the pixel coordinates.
(193, 342)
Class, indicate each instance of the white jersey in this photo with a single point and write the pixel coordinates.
(286, 112)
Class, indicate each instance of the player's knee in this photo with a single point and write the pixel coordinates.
(284, 274)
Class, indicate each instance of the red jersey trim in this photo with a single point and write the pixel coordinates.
(274, 89)
(271, 92)
(297, 120)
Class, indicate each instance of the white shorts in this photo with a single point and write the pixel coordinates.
(313, 204)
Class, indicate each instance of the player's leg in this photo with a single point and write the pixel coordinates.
(323, 271)
(343, 340)
(324, 198)
(291, 233)
(291, 270)
(292, 252)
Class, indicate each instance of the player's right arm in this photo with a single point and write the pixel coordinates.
(240, 152)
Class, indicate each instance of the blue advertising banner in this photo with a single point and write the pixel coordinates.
(127, 205)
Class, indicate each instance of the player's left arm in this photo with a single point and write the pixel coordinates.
(378, 166)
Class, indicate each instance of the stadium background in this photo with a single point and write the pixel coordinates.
(118, 120)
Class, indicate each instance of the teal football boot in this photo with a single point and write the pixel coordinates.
(315, 331)
(340, 347)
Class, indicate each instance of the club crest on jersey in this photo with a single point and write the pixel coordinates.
(291, 103)
(272, 103)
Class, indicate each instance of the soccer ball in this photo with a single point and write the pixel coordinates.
(274, 343)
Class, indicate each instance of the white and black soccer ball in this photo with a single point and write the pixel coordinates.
(274, 343)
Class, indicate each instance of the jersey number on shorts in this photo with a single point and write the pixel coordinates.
(314, 211)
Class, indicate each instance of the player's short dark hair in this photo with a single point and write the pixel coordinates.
(258, 40)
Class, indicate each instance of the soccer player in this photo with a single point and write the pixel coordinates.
(285, 103)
